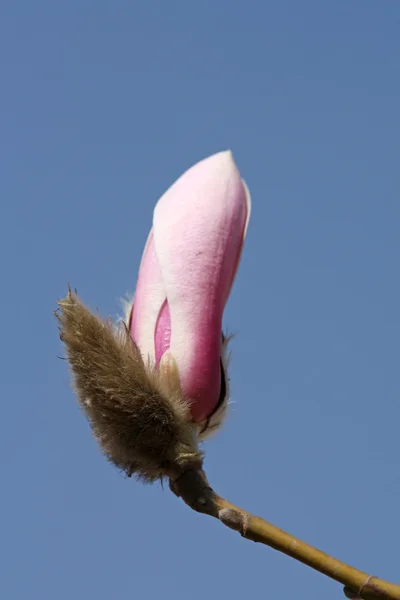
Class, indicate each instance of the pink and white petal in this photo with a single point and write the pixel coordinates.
(199, 226)
(149, 299)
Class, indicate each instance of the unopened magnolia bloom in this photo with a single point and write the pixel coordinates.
(151, 390)
(186, 274)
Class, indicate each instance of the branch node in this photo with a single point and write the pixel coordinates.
(352, 595)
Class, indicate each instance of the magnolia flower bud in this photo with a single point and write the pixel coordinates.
(152, 388)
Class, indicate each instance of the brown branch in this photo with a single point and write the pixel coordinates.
(140, 418)
(192, 486)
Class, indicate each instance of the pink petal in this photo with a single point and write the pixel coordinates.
(150, 298)
(199, 228)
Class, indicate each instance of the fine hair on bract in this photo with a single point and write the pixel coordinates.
(137, 413)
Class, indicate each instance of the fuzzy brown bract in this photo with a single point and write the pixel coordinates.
(141, 423)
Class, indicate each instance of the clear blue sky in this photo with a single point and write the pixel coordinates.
(102, 106)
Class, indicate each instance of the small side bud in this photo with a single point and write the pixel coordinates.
(234, 520)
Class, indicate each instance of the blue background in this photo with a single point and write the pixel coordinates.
(103, 105)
